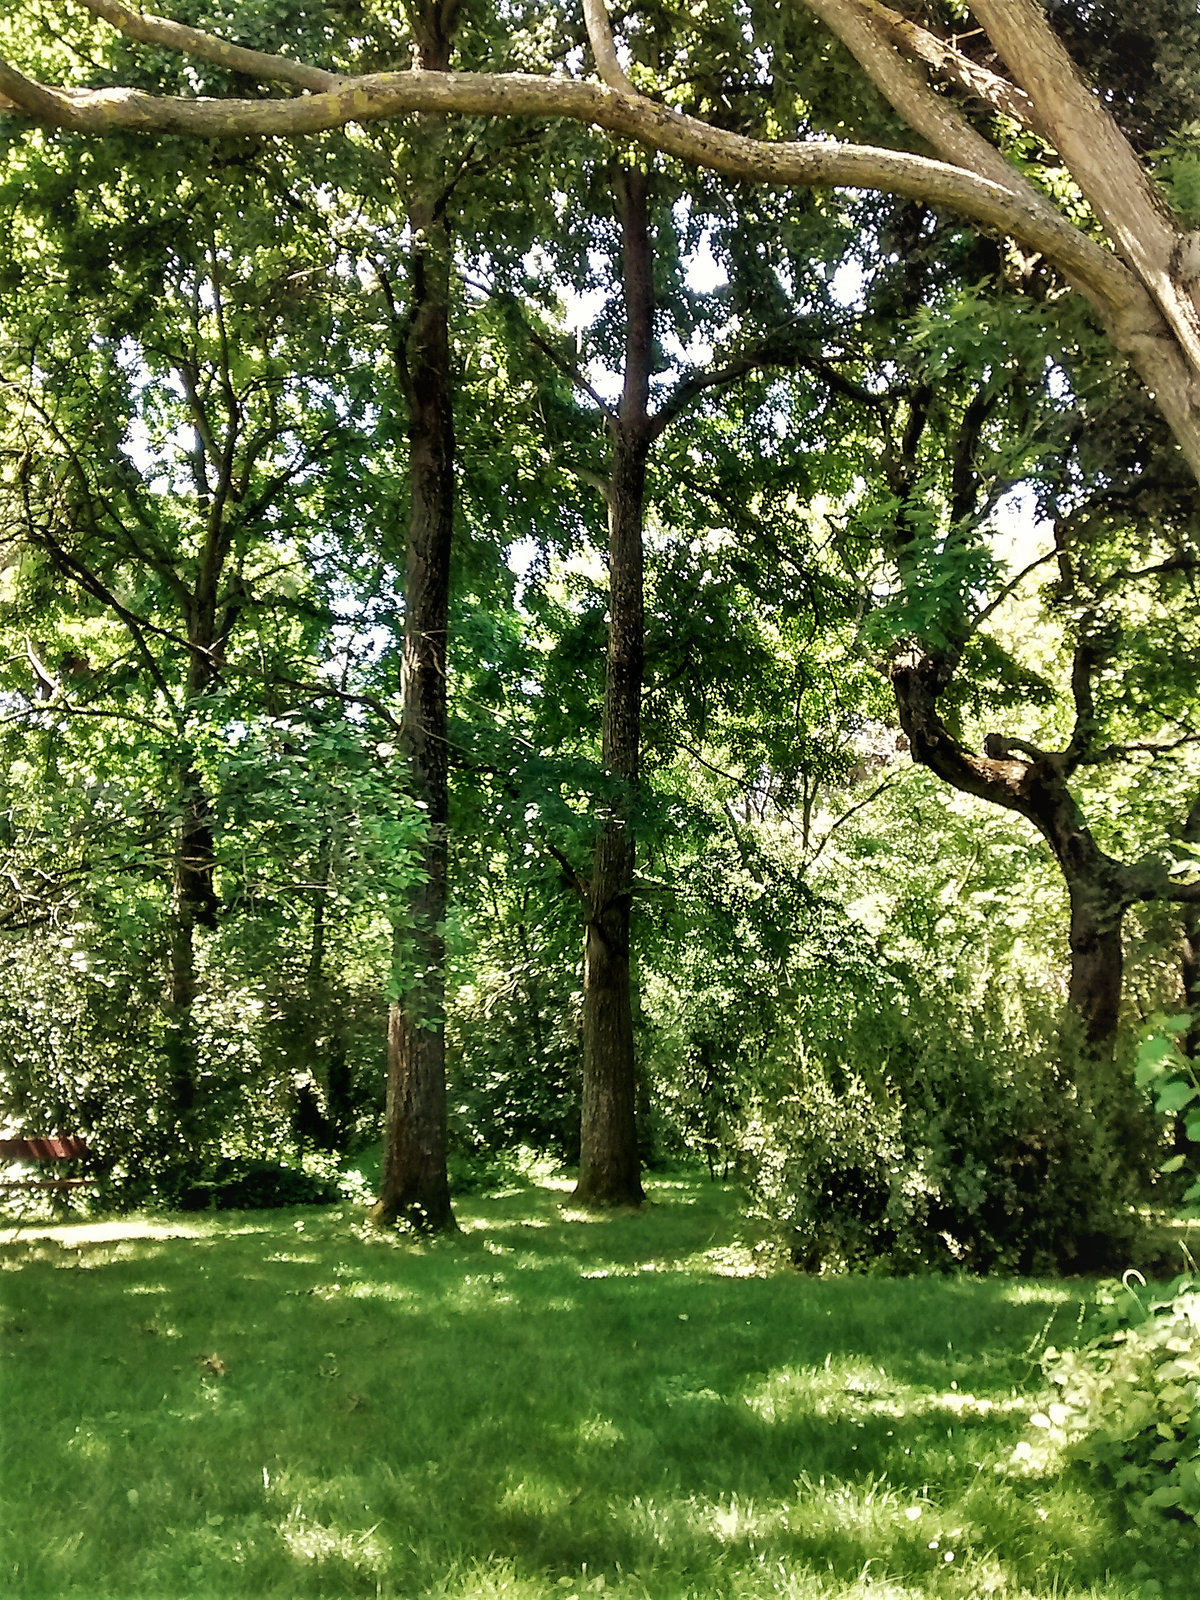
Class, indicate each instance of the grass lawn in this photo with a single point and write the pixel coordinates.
(552, 1405)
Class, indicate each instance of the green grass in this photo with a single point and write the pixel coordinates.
(551, 1405)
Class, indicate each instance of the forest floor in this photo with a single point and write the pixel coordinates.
(553, 1404)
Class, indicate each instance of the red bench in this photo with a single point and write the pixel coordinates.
(44, 1151)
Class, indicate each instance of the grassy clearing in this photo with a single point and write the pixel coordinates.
(552, 1405)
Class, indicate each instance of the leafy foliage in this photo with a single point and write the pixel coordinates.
(917, 1130)
(1164, 1068)
(1129, 1397)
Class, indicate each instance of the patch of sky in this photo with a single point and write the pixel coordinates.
(1058, 383)
(521, 556)
(848, 284)
(1021, 534)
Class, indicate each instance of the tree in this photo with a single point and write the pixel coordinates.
(175, 554)
(183, 489)
(1014, 150)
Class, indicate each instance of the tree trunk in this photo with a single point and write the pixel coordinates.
(609, 1165)
(414, 1185)
(1097, 961)
(414, 1182)
(180, 1039)
(193, 905)
(1189, 955)
(1037, 788)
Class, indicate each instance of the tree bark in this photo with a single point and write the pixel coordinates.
(609, 1164)
(414, 1184)
(193, 895)
(1189, 955)
(1097, 960)
(193, 904)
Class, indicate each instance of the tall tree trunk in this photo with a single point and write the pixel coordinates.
(609, 1166)
(414, 1184)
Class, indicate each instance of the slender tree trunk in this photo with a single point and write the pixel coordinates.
(339, 1114)
(180, 1039)
(609, 1165)
(414, 1185)
(193, 905)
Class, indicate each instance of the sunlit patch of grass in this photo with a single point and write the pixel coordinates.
(294, 1405)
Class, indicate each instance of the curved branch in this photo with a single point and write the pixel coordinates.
(804, 164)
(983, 188)
(604, 52)
(149, 29)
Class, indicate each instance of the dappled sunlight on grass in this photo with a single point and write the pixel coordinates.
(294, 1405)
(84, 1233)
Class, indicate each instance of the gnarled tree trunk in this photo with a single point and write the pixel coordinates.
(1097, 960)
(1036, 787)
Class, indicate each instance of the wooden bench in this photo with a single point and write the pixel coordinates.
(43, 1151)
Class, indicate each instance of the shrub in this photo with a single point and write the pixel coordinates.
(1129, 1399)
(502, 1169)
(920, 1130)
(238, 1183)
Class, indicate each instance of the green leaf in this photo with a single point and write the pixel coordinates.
(1173, 1096)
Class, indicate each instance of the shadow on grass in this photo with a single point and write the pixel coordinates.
(286, 1404)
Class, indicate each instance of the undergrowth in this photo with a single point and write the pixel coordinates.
(1128, 1399)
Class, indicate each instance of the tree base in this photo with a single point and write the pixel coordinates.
(419, 1218)
(604, 1197)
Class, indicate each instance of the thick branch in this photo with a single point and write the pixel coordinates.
(1099, 157)
(956, 67)
(1091, 653)
(983, 187)
(928, 113)
(1036, 788)
(149, 29)
(806, 164)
